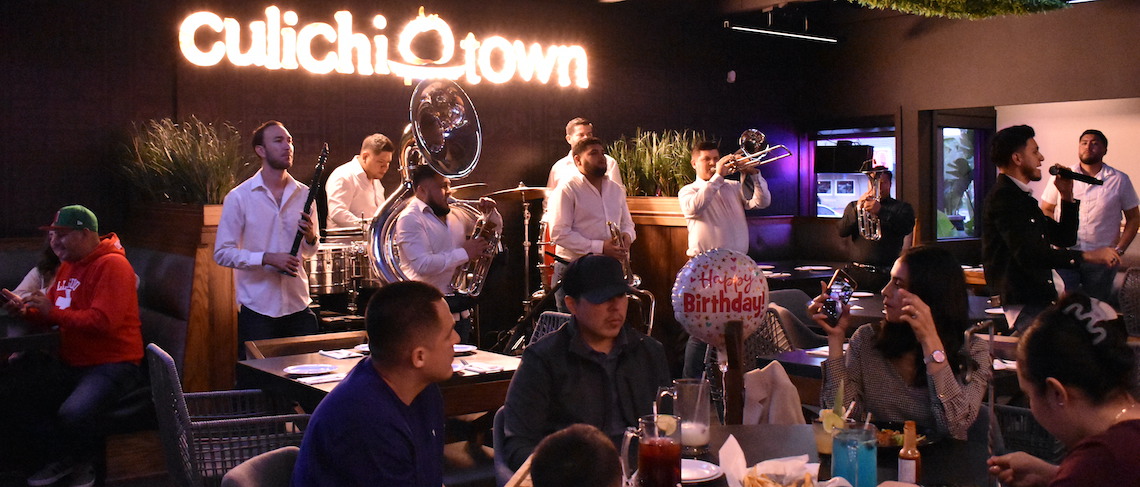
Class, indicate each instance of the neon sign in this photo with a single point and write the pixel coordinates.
(279, 42)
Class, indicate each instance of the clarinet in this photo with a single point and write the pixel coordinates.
(312, 195)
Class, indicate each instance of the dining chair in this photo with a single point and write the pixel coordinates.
(548, 322)
(1129, 297)
(503, 472)
(1020, 431)
(791, 311)
(276, 347)
(273, 468)
(205, 434)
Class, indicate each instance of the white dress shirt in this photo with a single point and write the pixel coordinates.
(352, 194)
(579, 213)
(430, 249)
(252, 224)
(715, 208)
(565, 169)
(1102, 207)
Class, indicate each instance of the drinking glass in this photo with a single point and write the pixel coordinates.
(658, 451)
(692, 404)
(855, 454)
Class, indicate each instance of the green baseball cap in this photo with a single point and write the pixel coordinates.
(74, 217)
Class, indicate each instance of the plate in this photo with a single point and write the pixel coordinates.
(862, 294)
(813, 268)
(766, 267)
(362, 348)
(309, 369)
(698, 471)
(461, 348)
(995, 311)
(456, 367)
(925, 435)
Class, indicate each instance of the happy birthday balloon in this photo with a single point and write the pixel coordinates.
(718, 286)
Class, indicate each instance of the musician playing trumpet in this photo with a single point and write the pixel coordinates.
(432, 239)
(714, 210)
(872, 259)
(580, 209)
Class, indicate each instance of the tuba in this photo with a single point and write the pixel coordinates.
(632, 279)
(870, 227)
(444, 134)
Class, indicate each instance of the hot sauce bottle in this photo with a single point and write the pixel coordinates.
(910, 460)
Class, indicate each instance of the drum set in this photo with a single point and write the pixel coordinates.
(340, 275)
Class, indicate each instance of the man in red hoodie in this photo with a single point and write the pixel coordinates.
(94, 304)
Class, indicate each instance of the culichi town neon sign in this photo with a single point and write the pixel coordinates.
(279, 42)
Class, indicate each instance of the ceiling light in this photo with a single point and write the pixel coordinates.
(780, 33)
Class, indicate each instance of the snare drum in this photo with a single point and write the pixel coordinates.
(329, 269)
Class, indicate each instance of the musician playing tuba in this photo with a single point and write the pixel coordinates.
(871, 260)
(433, 240)
(580, 207)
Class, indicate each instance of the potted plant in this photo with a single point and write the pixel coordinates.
(655, 164)
(189, 162)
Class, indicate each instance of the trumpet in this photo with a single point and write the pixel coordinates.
(754, 149)
(632, 279)
(870, 227)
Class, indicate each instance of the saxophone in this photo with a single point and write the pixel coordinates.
(469, 278)
(870, 227)
(632, 279)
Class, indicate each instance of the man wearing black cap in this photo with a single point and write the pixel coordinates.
(595, 370)
(94, 303)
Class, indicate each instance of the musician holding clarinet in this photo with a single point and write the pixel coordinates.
(264, 234)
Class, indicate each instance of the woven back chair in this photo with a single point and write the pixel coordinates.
(1020, 431)
(205, 434)
(548, 322)
(769, 339)
(1129, 297)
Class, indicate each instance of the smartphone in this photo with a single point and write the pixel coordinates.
(839, 292)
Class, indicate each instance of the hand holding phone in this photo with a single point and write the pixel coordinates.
(839, 291)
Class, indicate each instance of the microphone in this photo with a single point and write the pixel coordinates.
(1075, 176)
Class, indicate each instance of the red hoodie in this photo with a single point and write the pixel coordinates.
(95, 303)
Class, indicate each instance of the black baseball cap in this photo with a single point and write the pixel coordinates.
(595, 278)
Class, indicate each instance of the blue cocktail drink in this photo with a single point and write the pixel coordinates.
(854, 455)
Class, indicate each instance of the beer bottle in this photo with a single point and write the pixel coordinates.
(910, 460)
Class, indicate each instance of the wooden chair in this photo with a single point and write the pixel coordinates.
(276, 347)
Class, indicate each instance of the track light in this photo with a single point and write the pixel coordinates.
(780, 33)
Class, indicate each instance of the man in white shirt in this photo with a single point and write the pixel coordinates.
(354, 188)
(577, 129)
(714, 209)
(581, 208)
(432, 240)
(1101, 208)
(260, 219)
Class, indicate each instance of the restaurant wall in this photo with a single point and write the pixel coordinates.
(904, 66)
(78, 75)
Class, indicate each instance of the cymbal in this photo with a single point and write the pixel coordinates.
(527, 192)
(467, 189)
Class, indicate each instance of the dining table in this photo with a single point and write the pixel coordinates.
(479, 383)
(18, 335)
(945, 462)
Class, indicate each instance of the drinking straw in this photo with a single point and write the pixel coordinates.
(868, 421)
(847, 413)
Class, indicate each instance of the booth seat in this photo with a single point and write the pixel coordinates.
(797, 239)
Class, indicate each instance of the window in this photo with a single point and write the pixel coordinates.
(955, 209)
(838, 155)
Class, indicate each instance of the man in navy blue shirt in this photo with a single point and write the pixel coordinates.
(383, 424)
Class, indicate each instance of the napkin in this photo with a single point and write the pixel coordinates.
(784, 470)
(321, 379)
(481, 368)
(1001, 364)
(338, 354)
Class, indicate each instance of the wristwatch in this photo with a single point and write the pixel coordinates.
(937, 356)
(1119, 251)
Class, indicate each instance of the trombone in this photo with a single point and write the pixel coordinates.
(754, 150)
